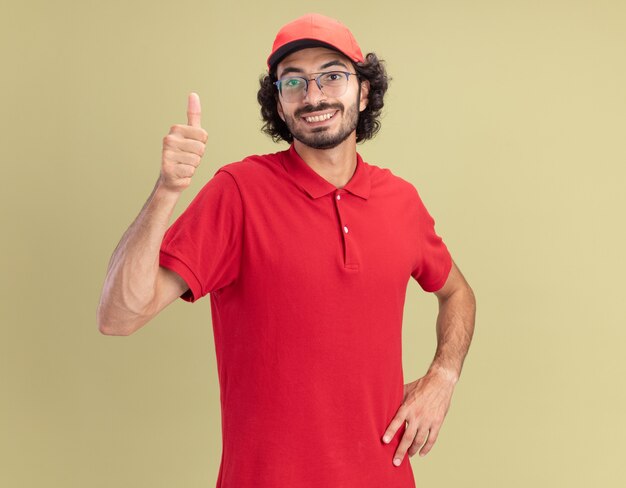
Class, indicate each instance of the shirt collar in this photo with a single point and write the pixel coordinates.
(315, 185)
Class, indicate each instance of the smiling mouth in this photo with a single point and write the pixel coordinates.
(320, 118)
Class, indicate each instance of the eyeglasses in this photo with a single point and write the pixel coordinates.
(331, 83)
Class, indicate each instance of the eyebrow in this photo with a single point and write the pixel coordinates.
(291, 69)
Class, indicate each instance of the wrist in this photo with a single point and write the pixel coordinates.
(163, 192)
(447, 374)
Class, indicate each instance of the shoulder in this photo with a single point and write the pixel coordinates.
(253, 167)
(384, 178)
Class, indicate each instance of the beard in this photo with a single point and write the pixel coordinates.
(324, 137)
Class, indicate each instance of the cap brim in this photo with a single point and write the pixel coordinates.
(293, 46)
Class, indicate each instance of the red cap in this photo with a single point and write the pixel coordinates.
(314, 30)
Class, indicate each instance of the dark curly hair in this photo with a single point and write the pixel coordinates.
(372, 69)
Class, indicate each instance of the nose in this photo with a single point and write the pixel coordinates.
(313, 93)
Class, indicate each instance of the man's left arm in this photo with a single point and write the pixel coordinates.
(426, 400)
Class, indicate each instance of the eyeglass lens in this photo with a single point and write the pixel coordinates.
(333, 84)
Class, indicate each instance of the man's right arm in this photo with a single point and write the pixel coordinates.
(136, 288)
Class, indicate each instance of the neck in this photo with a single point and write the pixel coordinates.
(336, 165)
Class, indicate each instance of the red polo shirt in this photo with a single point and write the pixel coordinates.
(307, 285)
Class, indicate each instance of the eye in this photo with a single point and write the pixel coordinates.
(333, 77)
(292, 82)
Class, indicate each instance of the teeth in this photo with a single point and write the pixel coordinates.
(319, 118)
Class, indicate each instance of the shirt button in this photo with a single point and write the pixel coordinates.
(345, 229)
(338, 197)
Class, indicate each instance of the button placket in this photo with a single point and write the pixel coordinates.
(347, 244)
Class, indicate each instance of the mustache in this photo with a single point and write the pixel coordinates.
(319, 108)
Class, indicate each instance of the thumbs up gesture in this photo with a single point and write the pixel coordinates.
(183, 149)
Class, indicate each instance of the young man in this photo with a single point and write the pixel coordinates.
(306, 254)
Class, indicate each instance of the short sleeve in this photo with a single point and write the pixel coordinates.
(434, 261)
(204, 243)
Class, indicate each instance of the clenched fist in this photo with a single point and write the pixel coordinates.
(183, 149)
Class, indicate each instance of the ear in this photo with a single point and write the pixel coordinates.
(365, 90)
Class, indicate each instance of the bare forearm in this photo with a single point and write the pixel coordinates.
(455, 328)
(129, 286)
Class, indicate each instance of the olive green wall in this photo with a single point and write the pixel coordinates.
(508, 116)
